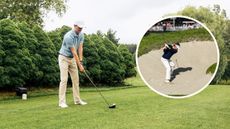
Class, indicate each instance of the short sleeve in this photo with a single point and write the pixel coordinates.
(82, 38)
(69, 42)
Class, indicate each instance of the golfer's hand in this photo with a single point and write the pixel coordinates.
(166, 45)
(81, 68)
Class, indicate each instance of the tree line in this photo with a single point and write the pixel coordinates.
(29, 56)
(216, 20)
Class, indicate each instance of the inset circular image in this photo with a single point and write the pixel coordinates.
(177, 57)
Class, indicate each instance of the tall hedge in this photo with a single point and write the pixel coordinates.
(31, 43)
(29, 57)
(48, 61)
(128, 61)
(15, 61)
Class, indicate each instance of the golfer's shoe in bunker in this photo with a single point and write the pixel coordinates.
(172, 76)
(63, 105)
(167, 81)
(80, 102)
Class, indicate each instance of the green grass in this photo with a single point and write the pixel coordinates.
(137, 107)
(41, 91)
(211, 69)
(156, 40)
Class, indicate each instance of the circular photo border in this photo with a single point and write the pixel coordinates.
(205, 86)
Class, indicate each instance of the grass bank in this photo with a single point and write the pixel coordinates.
(156, 40)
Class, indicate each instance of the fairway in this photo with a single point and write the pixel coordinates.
(137, 107)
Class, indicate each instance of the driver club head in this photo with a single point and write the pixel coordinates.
(112, 106)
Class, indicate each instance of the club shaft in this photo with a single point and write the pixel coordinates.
(96, 88)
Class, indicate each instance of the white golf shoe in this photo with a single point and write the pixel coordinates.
(167, 81)
(80, 102)
(63, 105)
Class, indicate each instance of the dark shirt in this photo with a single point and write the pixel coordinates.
(168, 52)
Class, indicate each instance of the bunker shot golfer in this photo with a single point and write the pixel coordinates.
(168, 52)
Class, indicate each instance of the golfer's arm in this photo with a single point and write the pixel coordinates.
(73, 50)
(80, 52)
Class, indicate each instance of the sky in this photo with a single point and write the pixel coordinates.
(129, 18)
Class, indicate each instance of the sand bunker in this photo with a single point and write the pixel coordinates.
(193, 60)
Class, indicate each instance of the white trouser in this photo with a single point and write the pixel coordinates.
(167, 63)
(68, 65)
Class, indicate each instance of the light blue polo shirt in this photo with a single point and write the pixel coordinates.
(71, 39)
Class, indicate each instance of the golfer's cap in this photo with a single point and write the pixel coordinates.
(79, 24)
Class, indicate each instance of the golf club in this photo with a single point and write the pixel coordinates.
(110, 106)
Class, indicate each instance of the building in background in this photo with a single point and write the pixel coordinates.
(174, 24)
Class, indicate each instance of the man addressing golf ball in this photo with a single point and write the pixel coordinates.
(169, 51)
(70, 59)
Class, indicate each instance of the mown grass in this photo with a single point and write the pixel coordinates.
(137, 107)
(155, 40)
(41, 91)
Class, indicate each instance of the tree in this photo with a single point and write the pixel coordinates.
(56, 39)
(31, 11)
(48, 61)
(226, 36)
(91, 61)
(111, 35)
(223, 13)
(99, 33)
(217, 24)
(31, 43)
(15, 59)
(132, 48)
(216, 8)
(57, 35)
(128, 61)
(63, 30)
(111, 70)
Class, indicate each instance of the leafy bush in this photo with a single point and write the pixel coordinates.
(48, 63)
(15, 61)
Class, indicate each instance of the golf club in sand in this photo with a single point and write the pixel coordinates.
(110, 106)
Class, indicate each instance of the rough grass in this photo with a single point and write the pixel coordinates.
(155, 40)
(211, 69)
(137, 107)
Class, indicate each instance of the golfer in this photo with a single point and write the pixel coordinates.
(70, 60)
(169, 51)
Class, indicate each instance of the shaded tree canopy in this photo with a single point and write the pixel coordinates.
(215, 19)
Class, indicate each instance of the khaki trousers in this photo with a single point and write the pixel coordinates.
(68, 65)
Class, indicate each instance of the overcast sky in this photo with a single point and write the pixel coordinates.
(130, 18)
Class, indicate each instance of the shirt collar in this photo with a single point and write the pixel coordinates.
(74, 33)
